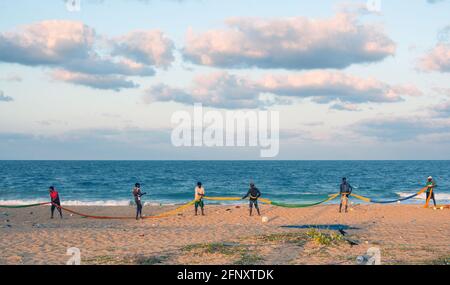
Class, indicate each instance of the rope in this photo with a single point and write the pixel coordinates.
(429, 198)
(365, 199)
(161, 215)
(279, 204)
(368, 200)
(91, 216)
(222, 198)
(285, 205)
(443, 206)
(172, 212)
(263, 200)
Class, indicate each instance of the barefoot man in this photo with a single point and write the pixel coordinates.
(345, 191)
(56, 202)
(137, 194)
(253, 194)
(431, 184)
(199, 194)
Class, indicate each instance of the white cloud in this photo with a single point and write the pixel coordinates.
(327, 86)
(149, 47)
(4, 98)
(12, 78)
(75, 47)
(402, 128)
(435, 1)
(47, 43)
(442, 90)
(442, 109)
(345, 107)
(438, 59)
(290, 43)
(230, 91)
(218, 89)
(114, 82)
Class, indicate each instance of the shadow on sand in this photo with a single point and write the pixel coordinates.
(335, 227)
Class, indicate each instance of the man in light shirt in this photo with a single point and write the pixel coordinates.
(431, 184)
(199, 194)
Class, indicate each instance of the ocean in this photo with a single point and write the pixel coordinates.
(172, 182)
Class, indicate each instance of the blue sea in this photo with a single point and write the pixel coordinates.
(173, 182)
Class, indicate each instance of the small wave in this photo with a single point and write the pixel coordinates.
(85, 203)
(438, 196)
(97, 203)
(21, 202)
(67, 202)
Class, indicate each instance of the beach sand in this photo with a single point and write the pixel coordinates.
(405, 234)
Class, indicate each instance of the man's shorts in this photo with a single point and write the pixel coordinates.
(199, 203)
(344, 196)
(253, 202)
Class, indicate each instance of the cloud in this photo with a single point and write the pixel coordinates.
(149, 47)
(327, 86)
(402, 129)
(345, 107)
(75, 47)
(442, 109)
(129, 143)
(47, 43)
(224, 90)
(11, 78)
(4, 98)
(291, 43)
(442, 90)
(112, 82)
(438, 59)
(218, 89)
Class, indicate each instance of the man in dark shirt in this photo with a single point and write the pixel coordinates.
(345, 191)
(253, 194)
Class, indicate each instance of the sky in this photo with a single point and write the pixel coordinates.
(350, 79)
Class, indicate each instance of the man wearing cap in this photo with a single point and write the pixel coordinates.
(431, 184)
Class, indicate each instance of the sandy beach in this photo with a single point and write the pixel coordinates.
(405, 234)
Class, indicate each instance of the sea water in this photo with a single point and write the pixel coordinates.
(172, 182)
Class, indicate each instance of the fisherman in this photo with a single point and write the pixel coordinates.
(137, 199)
(199, 194)
(345, 191)
(431, 184)
(253, 194)
(56, 202)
